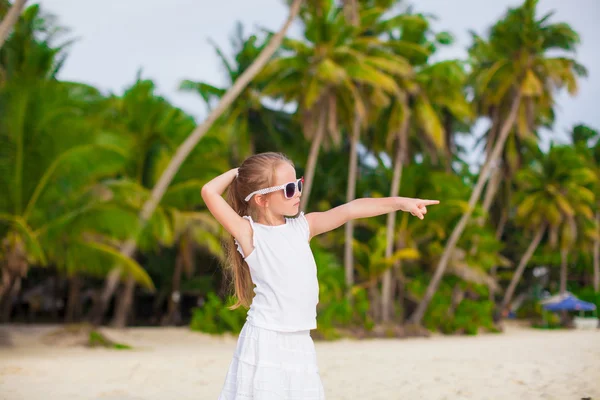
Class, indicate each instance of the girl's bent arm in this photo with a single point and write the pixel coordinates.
(320, 222)
(212, 195)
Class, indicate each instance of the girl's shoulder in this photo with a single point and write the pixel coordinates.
(299, 223)
(247, 242)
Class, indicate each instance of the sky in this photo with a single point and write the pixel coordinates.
(169, 42)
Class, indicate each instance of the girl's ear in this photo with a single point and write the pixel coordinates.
(261, 200)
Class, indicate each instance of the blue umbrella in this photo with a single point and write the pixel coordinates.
(570, 303)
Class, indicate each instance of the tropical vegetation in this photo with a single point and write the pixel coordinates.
(101, 217)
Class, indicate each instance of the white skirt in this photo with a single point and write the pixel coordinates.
(272, 365)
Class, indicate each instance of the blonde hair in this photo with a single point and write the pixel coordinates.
(256, 172)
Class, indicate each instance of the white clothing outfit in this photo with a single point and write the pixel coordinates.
(275, 357)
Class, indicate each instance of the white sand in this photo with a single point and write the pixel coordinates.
(174, 363)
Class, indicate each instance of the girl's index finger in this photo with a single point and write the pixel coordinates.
(429, 202)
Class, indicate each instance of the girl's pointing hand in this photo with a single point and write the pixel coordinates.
(418, 207)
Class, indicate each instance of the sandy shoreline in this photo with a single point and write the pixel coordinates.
(174, 363)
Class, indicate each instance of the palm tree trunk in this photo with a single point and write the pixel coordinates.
(449, 148)
(123, 309)
(350, 195)
(54, 295)
(399, 159)
(499, 232)
(502, 224)
(494, 181)
(313, 155)
(459, 228)
(399, 278)
(597, 255)
(5, 284)
(7, 303)
(564, 259)
(351, 11)
(10, 19)
(493, 131)
(8, 280)
(522, 264)
(74, 301)
(386, 283)
(173, 313)
(252, 145)
(157, 314)
(110, 285)
(374, 300)
(188, 145)
(491, 190)
(458, 295)
(488, 197)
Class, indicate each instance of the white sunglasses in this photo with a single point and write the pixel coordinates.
(289, 189)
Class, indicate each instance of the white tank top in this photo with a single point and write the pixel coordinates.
(284, 271)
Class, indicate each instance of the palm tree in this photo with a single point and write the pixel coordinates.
(444, 84)
(49, 185)
(438, 97)
(149, 130)
(374, 24)
(352, 14)
(587, 141)
(585, 233)
(534, 111)
(553, 191)
(192, 229)
(248, 123)
(422, 179)
(515, 65)
(415, 108)
(182, 152)
(173, 218)
(10, 18)
(408, 38)
(322, 74)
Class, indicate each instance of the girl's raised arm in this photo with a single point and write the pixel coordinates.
(321, 222)
(212, 195)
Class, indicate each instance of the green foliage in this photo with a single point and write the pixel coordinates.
(475, 311)
(51, 164)
(215, 318)
(588, 294)
(334, 309)
(474, 314)
(530, 309)
(77, 165)
(97, 339)
(550, 320)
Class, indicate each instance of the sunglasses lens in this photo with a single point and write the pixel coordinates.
(290, 190)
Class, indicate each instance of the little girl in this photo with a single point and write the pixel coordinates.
(275, 274)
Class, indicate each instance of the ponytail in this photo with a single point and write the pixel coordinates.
(236, 268)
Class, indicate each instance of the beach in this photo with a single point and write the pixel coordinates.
(176, 363)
